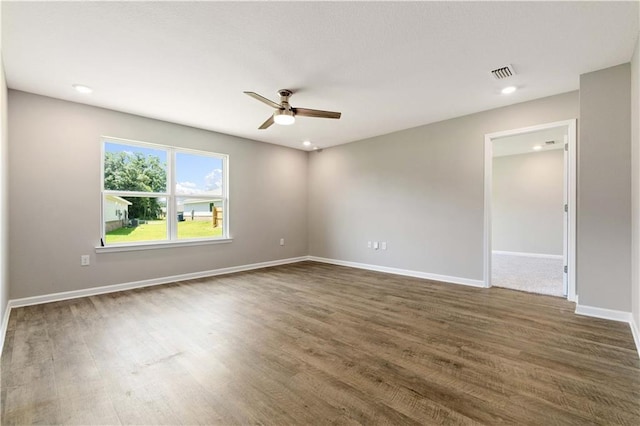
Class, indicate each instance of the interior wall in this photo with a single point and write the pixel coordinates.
(55, 203)
(527, 202)
(4, 165)
(635, 186)
(420, 190)
(604, 188)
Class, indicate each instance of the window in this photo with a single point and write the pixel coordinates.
(154, 193)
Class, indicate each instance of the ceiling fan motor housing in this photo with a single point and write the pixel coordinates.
(284, 99)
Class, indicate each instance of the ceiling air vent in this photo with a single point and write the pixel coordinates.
(504, 72)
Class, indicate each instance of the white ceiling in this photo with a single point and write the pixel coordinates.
(523, 143)
(385, 66)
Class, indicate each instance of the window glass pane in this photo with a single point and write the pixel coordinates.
(134, 219)
(134, 168)
(199, 217)
(198, 175)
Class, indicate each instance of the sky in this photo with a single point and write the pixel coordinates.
(195, 174)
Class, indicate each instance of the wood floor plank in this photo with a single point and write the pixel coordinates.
(312, 343)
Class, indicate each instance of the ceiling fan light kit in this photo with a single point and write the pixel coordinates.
(284, 117)
(285, 114)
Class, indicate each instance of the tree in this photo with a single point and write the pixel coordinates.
(125, 171)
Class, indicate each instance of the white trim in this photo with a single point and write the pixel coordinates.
(572, 203)
(609, 314)
(5, 325)
(519, 253)
(55, 297)
(636, 334)
(570, 171)
(115, 193)
(405, 272)
(531, 129)
(159, 245)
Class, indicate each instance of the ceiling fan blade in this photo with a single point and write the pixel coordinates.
(267, 123)
(263, 99)
(305, 112)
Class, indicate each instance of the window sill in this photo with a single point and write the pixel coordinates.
(112, 248)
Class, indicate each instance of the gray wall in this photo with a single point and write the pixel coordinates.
(421, 190)
(55, 198)
(527, 203)
(635, 184)
(4, 228)
(604, 189)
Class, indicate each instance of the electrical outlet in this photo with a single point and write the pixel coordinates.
(383, 245)
(85, 260)
(376, 246)
(281, 241)
(368, 244)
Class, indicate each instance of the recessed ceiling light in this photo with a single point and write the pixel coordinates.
(306, 143)
(315, 148)
(82, 88)
(508, 89)
(537, 148)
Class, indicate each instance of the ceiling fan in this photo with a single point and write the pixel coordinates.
(285, 114)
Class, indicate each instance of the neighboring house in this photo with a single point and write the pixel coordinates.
(199, 207)
(116, 212)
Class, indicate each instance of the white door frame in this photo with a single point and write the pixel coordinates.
(570, 176)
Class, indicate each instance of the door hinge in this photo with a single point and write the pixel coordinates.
(566, 269)
(566, 147)
(566, 207)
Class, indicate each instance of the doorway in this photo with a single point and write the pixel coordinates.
(530, 200)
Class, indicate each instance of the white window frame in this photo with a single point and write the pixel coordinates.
(171, 199)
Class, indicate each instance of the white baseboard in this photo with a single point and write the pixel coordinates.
(519, 253)
(405, 272)
(610, 314)
(636, 335)
(4, 326)
(55, 297)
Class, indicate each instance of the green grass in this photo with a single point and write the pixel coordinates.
(155, 230)
(197, 229)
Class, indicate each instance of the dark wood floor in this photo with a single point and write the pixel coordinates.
(311, 343)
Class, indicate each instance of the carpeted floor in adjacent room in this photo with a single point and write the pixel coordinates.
(531, 274)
